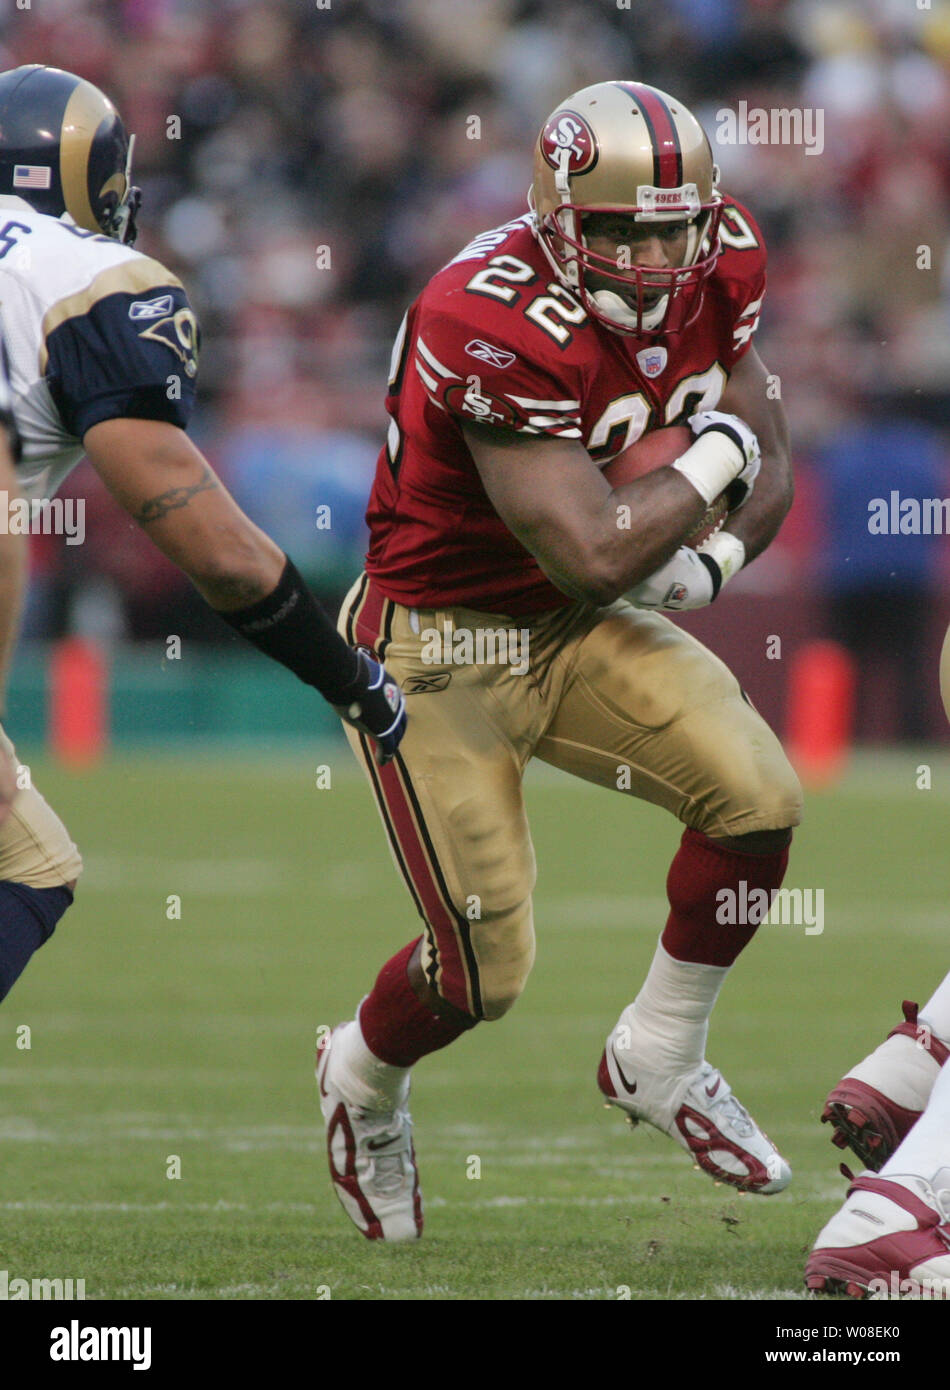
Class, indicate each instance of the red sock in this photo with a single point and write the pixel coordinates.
(700, 870)
(396, 1026)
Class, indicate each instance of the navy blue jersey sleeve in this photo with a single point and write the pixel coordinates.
(130, 354)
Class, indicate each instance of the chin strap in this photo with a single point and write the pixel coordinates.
(562, 183)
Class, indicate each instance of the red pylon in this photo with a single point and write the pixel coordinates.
(820, 711)
(78, 702)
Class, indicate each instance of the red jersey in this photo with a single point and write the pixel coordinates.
(495, 337)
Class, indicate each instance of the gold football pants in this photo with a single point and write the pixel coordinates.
(35, 847)
(617, 696)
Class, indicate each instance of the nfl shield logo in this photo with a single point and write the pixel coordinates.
(652, 361)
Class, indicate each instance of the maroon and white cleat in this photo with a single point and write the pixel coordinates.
(891, 1239)
(702, 1115)
(882, 1098)
(372, 1159)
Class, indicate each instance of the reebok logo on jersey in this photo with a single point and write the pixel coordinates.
(494, 356)
(426, 685)
(151, 308)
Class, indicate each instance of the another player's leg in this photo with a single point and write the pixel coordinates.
(891, 1238)
(875, 1105)
(39, 865)
(648, 700)
(453, 813)
(28, 917)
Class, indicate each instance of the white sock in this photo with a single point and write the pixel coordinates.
(666, 1025)
(936, 1011)
(367, 1083)
(927, 1147)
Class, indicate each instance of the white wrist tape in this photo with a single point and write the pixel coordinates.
(728, 552)
(711, 464)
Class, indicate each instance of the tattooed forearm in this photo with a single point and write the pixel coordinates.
(157, 507)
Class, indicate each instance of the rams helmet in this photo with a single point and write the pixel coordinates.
(64, 149)
(628, 149)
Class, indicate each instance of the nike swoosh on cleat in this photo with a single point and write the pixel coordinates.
(372, 1144)
(631, 1090)
(867, 1216)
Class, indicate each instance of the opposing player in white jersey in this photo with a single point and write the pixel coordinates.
(103, 349)
(892, 1236)
(13, 562)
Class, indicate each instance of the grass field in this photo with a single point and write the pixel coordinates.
(153, 1037)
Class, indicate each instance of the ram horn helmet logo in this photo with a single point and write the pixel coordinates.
(566, 130)
(117, 184)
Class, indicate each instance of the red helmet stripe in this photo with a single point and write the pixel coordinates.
(667, 152)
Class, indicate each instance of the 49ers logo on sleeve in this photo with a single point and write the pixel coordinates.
(481, 406)
(566, 130)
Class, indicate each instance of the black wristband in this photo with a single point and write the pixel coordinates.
(715, 573)
(290, 627)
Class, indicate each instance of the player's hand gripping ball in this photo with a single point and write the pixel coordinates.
(656, 450)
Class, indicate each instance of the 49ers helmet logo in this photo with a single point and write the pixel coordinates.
(568, 131)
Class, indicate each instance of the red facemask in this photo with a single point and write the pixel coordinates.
(683, 286)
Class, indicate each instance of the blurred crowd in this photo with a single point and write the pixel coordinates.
(308, 164)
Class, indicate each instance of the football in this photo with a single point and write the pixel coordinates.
(655, 450)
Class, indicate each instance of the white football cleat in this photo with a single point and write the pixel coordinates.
(372, 1160)
(891, 1239)
(701, 1114)
(874, 1107)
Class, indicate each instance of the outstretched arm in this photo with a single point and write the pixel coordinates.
(155, 472)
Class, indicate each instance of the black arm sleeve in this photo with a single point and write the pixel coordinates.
(290, 626)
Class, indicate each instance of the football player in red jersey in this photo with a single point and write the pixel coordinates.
(515, 611)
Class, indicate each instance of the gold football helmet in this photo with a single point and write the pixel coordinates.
(628, 149)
